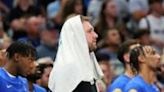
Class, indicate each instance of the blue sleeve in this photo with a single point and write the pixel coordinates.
(39, 88)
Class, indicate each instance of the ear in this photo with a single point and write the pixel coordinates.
(127, 58)
(141, 58)
(16, 57)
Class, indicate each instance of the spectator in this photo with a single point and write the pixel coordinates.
(143, 36)
(72, 7)
(49, 39)
(86, 3)
(23, 9)
(32, 29)
(44, 3)
(54, 10)
(5, 40)
(138, 10)
(4, 9)
(105, 65)
(154, 22)
(18, 15)
(123, 9)
(94, 10)
(112, 42)
(8, 3)
(45, 66)
(108, 18)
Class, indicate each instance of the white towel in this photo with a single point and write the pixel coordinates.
(73, 62)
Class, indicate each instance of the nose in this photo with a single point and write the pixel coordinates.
(159, 57)
(95, 35)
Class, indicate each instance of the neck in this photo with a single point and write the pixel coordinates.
(147, 74)
(33, 36)
(110, 18)
(49, 44)
(113, 48)
(30, 84)
(110, 21)
(128, 71)
(156, 14)
(11, 68)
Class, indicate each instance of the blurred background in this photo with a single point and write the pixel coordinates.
(39, 22)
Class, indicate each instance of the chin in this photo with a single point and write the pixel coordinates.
(23, 75)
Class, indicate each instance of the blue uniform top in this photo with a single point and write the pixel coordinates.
(10, 83)
(137, 84)
(119, 84)
(38, 88)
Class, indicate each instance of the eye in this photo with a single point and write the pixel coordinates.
(89, 31)
(31, 59)
(153, 52)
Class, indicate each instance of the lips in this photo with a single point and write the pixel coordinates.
(95, 41)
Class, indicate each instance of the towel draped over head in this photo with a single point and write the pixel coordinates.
(73, 62)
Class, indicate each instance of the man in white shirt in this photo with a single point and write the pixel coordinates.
(155, 23)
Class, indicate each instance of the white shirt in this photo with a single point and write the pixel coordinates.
(156, 25)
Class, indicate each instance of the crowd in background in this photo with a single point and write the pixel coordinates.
(39, 22)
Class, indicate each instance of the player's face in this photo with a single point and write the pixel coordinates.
(152, 57)
(25, 65)
(91, 36)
